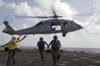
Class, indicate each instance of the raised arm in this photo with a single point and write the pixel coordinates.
(5, 44)
(21, 39)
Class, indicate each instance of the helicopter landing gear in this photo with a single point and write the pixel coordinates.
(63, 34)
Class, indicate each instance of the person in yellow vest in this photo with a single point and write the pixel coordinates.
(11, 47)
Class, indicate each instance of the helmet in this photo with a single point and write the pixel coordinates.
(41, 38)
(55, 36)
(13, 38)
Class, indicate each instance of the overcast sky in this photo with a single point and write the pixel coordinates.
(84, 12)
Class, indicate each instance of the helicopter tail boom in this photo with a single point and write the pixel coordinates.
(8, 29)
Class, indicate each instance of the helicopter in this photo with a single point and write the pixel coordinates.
(48, 26)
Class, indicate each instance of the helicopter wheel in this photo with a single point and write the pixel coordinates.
(63, 34)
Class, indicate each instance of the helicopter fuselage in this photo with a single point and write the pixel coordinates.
(45, 27)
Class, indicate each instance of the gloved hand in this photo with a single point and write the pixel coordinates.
(25, 36)
(3, 46)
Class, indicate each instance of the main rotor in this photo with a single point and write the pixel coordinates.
(55, 16)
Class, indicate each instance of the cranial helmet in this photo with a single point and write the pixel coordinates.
(55, 37)
(41, 38)
(13, 38)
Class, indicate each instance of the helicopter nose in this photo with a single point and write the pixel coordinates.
(81, 27)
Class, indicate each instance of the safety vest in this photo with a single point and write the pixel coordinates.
(12, 44)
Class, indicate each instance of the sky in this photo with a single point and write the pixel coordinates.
(83, 12)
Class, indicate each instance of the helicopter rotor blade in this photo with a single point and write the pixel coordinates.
(35, 16)
(55, 16)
